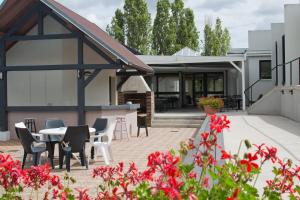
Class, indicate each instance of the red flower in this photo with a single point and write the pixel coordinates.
(37, 176)
(82, 194)
(235, 194)
(225, 155)
(271, 154)
(55, 180)
(218, 123)
(248, 162)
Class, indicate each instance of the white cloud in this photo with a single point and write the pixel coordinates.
(238, 15)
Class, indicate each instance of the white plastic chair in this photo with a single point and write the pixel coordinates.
(104, 147)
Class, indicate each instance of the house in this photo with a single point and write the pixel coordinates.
(283, 97)
(56, 64)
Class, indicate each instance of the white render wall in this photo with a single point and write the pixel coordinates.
(263, 86)
(57, 88)
(277, 33)
(259, 40)
(292, 40)
(260, 45)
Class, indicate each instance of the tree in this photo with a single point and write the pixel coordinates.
(208, 40)
(187, 34)
(164, 32)
(217, 40)
(117, 27)
(138, 25)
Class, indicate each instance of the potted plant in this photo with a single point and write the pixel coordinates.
(211, 105)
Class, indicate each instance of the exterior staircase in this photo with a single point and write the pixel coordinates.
(177, 121)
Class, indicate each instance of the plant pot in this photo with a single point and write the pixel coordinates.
(210, 111)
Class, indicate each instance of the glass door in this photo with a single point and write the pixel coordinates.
(215, 84)
(199, 86)
(188, 86)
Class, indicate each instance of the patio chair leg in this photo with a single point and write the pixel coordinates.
(68, 160)
(138, 132)
(35, 159)
(104, 153)
(92, 152)
(24, 159)
(85, 160)
(146, 131)
(81, 155)
(61, 157)
(110, 153)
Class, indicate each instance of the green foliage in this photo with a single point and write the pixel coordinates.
(212, 102)
(174, 28)
(164, 32)
(216, 40)
(132, 26)
(187, 35)
(117, 27)
(138, 25)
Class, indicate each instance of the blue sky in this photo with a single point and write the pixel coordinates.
(238, 15)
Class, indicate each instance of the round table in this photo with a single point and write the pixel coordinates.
(60, 131)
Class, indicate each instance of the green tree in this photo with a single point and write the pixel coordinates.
(217, 40)
(208, 40)
(117, 27)
(138, 25)
(164, 32)
(187, 34)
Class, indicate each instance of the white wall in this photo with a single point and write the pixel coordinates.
(260, 46)
(259, 40)
(292, 39)
(277, 33)
(57, 88)
(280, 101)
(263, 86)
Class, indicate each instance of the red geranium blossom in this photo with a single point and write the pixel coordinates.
(249, 162)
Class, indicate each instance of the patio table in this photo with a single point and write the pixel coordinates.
(62, 131)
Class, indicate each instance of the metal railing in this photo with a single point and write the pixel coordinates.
(249, 97)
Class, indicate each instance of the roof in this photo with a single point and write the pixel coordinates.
(152, 60)
(18, 7)
(186, 51)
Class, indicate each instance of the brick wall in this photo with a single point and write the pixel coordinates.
(140, 98)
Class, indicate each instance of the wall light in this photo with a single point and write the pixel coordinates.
(1, 76)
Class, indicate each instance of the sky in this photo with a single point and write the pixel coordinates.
(238, 16)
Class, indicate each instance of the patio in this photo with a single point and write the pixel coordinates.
(135, 149)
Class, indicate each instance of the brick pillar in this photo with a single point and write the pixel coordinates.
(121, 98)
(150, 107)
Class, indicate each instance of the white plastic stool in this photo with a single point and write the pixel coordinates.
(121, 128)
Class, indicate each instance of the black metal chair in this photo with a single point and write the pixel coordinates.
(142, 123)
(27, 141)
(54, 139)
(74, 142)
(100, 125)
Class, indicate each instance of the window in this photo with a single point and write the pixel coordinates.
(168, 84)
(265, 71)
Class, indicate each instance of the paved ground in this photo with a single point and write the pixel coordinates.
(135, 149)
(275, 131)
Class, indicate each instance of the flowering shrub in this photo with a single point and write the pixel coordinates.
(229, 176)
(213, 102)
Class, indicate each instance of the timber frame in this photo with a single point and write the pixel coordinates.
(41, 11)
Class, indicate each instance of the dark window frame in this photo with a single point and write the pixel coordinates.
(260, 65)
